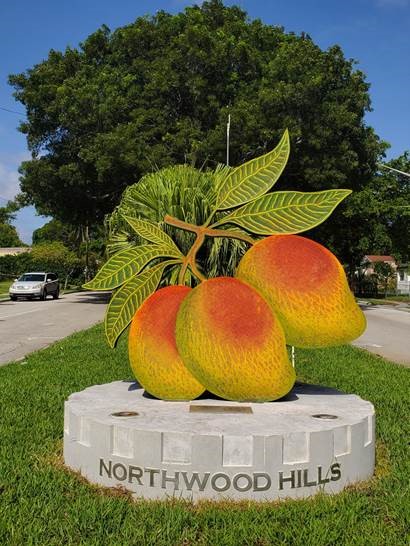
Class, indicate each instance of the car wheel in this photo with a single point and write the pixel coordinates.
(13, 298)
(43, 295)
(56, 294)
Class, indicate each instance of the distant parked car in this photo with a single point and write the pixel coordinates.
(35, 285)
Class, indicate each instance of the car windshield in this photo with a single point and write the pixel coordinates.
(32, 277)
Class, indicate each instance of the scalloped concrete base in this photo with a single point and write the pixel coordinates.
(316, 439)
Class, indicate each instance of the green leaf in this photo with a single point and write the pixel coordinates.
(286, 211)
(151, 232)
(254, 178)
(126, 264)
(127, 299)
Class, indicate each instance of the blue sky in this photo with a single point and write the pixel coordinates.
(374, 32)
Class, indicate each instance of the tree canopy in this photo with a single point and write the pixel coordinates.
(377, 218)
(158, 92)
(53, 231)
(8, 233)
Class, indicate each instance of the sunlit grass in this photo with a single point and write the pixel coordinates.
(390, 300)
(4, 287)
(42, 504)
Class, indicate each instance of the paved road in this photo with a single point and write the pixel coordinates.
(26, 326)
(387, 333)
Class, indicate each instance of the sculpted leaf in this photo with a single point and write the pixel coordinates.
(127, 263)
(151, 232)
(254, 178)
(128, 298)
(286, 211)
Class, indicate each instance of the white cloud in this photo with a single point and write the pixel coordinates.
(9, 183)
(9, 176)
(26, 219)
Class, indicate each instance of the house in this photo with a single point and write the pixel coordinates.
(399, 284)
(13, 251)
(368, 262)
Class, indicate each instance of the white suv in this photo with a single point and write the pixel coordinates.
(35, 285)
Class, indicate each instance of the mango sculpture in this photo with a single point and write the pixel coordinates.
(231, 342)
(153, 354)
(306, 286)
(227, 334)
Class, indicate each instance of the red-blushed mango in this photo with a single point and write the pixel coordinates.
(306, 287)
(153, 353)
(232, 343)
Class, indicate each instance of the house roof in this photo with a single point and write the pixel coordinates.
(374, 258)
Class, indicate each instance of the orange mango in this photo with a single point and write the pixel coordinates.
(153, 354)
(306, 287)
(232, 343)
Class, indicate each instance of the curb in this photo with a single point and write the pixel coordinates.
(7, 298)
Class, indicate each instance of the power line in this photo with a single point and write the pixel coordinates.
(12, 111)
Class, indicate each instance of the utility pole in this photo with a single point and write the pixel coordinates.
(228, 130)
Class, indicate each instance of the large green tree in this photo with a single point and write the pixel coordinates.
(53, 231)
(8, 233)
(376, 219)
(395, 205)
(158, 92)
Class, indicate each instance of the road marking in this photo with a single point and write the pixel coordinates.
(19, 314)
(42, 337)
(359, 344)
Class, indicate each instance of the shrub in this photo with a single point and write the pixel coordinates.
(53, 257)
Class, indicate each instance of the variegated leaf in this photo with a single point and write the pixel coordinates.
(127, 299)
(124, 265)
(285, 211)
(151, 232)
(254, 178)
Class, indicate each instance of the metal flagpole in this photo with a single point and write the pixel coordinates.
(395, 170)
(228, 130)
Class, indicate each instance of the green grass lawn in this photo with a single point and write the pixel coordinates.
(43, 504)
(4, 287)
(392, 300)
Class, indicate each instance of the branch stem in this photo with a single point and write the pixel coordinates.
(196, 272)
(201, 232)
(211, 232)
(207, 231)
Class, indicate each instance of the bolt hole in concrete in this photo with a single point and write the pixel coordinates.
(125, 414)
(325, 416)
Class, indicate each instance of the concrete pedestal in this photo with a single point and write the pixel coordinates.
(316, 439)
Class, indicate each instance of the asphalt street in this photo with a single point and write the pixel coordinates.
(27, 326)
(387, 333)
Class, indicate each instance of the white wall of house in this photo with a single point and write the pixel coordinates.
(403, 280)
(12, 251)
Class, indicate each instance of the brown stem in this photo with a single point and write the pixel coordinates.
(210, 232)
(170, 220)
(196, 272)
(190, 258)
(231, 234)
(201, 232)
